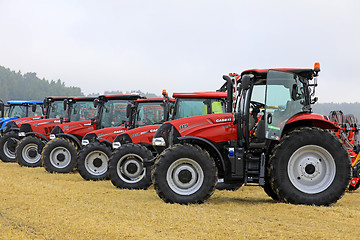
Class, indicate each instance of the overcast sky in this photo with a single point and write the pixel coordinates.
(181, 46)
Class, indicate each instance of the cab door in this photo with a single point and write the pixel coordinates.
(284, 98)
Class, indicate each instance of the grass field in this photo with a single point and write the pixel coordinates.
(37, 205)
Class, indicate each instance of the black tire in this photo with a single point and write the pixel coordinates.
(59, 156)
(93, 161)
(310, 166)
(221, 186)
(267, 186)
(28, 152)
(8, 144)
(126, 169)
(184, 174)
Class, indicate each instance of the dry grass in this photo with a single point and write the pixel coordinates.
(37, 205)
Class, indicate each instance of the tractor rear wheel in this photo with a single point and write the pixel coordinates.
(28, 152)
(59, 155)
(126, 168)
(93, 161)
(310, 166)
(184, 174)
(8, 144)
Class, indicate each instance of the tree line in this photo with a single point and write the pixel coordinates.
(18, 86)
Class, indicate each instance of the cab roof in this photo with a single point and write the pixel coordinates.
(120, 96)
(83, 98)
(201, 95)
(24, 102)
(153, 100)
(261, 73)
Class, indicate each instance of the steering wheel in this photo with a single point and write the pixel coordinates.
(257, 105)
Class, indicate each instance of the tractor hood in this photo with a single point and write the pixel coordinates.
(104, 133)
(78, 128)
(143, 135)
(214, 127)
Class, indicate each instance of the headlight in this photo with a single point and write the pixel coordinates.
(22, 134)
(85, 142)
(159, 141)
(116, 145)
(52, 136)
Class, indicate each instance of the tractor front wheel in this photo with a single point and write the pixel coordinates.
(126, 167)
(310, 166)
(28, 152)
(8, 144)
(93, 161)
(59, 155)
(184, 174)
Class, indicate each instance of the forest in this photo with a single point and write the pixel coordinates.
(18, 86)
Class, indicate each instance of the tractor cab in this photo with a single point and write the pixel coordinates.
(19, 111)
(268, 99)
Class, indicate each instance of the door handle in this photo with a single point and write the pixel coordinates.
(269, 118)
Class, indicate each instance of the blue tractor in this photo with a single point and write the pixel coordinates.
(19, 109)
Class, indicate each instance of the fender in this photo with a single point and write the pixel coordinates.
(107, 142)
(16, 129)
(71, 137)
(209, 146)
(310, 119)
(37, 134)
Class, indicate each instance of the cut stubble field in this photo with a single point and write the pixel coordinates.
(35, 204)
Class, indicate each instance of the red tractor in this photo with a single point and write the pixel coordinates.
(35, 134)
(10, 139)
(93, 159)
(60, 154)
(273, 140)
(134, 147)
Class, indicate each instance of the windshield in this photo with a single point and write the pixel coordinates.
(149, 113)
(198, 106)
(17, 111)
(114, 113)
(82, 111)
(57, 110)
(38, 111)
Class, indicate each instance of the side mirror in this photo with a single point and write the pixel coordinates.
(65, 104)
(96, 103)
(245, 82)
(129, 108)
(2, 106)
(33, 107)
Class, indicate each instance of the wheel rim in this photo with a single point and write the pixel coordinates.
(9, 149)
(96, 163)
(30, 153)
(185, 176)
(60, 157)
(130, 168)
(311, 169)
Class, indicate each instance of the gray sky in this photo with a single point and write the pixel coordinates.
(182, 46)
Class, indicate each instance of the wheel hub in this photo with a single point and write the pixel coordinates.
(32, 153)
(60, 157)
(97, 162)
(311, 169)
(132, 168)
(185, 176)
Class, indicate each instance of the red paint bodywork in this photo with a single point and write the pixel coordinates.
(317, 120)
